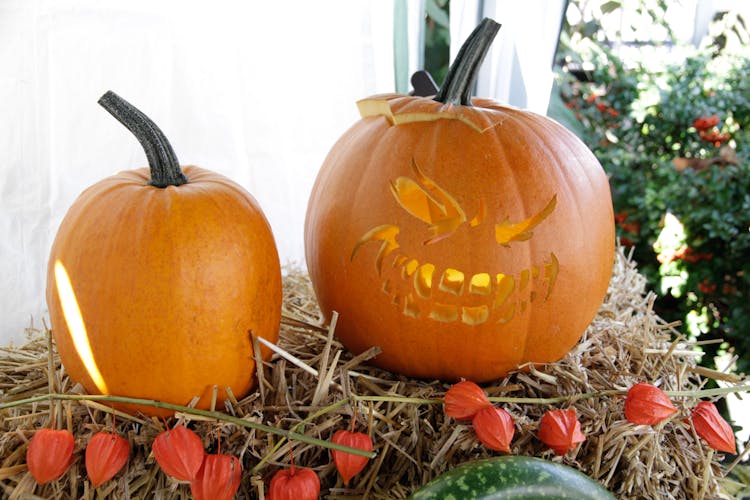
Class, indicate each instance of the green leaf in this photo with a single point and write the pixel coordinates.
(611, 6)
(590, 29)
(437, 14)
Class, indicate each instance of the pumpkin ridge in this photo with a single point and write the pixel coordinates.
(565, 182)
(541, 139)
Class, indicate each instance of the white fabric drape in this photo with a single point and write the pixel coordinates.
(518, 66)
(258, 91)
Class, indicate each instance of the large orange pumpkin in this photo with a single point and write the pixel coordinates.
(462, 237)
(157, 277)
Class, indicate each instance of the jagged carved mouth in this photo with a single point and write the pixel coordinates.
(450, 295)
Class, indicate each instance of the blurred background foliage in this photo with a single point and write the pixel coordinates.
(437, 39)
(670, 123)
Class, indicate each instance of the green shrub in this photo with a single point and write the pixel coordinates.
(675, 140)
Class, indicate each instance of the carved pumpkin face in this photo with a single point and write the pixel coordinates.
(482, 296)
(462, 245)
(462, 240)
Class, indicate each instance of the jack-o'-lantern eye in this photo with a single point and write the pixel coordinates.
(507, 232)
(430, 203)
(425, 288)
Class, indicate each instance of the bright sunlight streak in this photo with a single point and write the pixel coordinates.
(76, 326)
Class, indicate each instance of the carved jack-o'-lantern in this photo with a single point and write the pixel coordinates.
(462, 237)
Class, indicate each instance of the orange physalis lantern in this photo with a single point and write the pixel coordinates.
(179, 452)
(218, 478)
(464, 399)
(646, 404)
(349, 464)
(494, 428)
(106, 454)
(712, 427)
(561, 430)
(294, 484)
(49, 454)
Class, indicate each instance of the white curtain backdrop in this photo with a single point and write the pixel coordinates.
(518, 67)
(258, 91)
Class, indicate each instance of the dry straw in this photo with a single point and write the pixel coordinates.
(312, 387)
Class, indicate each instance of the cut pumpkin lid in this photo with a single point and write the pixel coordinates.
(399, 109)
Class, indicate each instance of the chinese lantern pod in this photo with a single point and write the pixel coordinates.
(179, 452)
(494, 428)
(464, 399)
(561, 430)
(712, 427)
(106, 454)
(49, 454)
(218, 478)
(348, 464)
(294, 484)
(646, 404)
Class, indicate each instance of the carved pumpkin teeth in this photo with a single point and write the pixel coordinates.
(504, 295)
(423, 280)
(452, 281)
(409, 268)
(480, 284)
(410, 306)
(445, 313)
(508, 314)
(475, 315)
(504, 287)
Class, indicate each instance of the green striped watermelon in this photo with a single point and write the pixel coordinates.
(512, 477)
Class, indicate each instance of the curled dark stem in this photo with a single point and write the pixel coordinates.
(165, 169)
(462, 74)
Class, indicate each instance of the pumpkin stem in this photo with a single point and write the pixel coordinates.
(165, 169)
(463, 72)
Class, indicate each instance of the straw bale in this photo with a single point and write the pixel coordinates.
(315, 386)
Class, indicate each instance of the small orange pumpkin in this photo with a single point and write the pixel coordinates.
(156, 278)
(461, 236)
